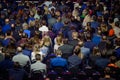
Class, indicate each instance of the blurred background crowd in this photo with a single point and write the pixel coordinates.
(59, 40)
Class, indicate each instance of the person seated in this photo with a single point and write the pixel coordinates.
(75, 61)
(107, 74)
(66, 49)
(58, 61)
(38, 65)
(21, 58)
(17, 72)
(6, 64)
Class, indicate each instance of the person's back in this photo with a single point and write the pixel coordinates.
(85, 51)
(6, 27)
(38, 65)
(75, 39)
(1, 57)
(21, 58)
(5, 64)
(17, 73)
(74, 61)
(51, 21)
(58, 61)
(107, 74)
(117, 48)
(38, 69)
(89, 44)
(66, 49)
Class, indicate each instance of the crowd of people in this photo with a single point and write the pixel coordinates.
(60, 40)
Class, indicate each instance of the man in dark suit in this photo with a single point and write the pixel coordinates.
(66, 49)
(74, 60)
(75, 39)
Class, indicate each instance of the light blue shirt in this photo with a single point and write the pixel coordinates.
(85, 51)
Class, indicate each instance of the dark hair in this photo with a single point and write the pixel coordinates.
(7, 56)
(88, 37)
(17, 65)
(88, 23)
(43, 22)
(110, 20)
(94, 17)
(38, 57)
(8, 33)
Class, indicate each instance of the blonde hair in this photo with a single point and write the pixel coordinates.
(25, 26)
(59, 40)
(46, 40)
(75, 35)
(80, 43)
(58, 52)
(36, 48)
(31, 23)
(103, 27)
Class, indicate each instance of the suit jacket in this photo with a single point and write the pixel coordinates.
(38, 66)
(74, 61)
(73, 42)
(66, 50)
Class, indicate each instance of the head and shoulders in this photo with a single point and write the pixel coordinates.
(76, 53)
(58, 56)
(38, 60)
(20, 53)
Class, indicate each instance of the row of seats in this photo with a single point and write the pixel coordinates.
(59, 74)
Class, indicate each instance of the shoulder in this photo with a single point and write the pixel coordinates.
(62, 59)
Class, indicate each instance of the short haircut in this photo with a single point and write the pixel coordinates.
(58, 52)
(75, 35)
(38, 57)
(88, 37)
(17, 65)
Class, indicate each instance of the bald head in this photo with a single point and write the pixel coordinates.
(19, 49)
(7, 20)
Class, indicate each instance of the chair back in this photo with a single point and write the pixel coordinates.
(37, 75)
